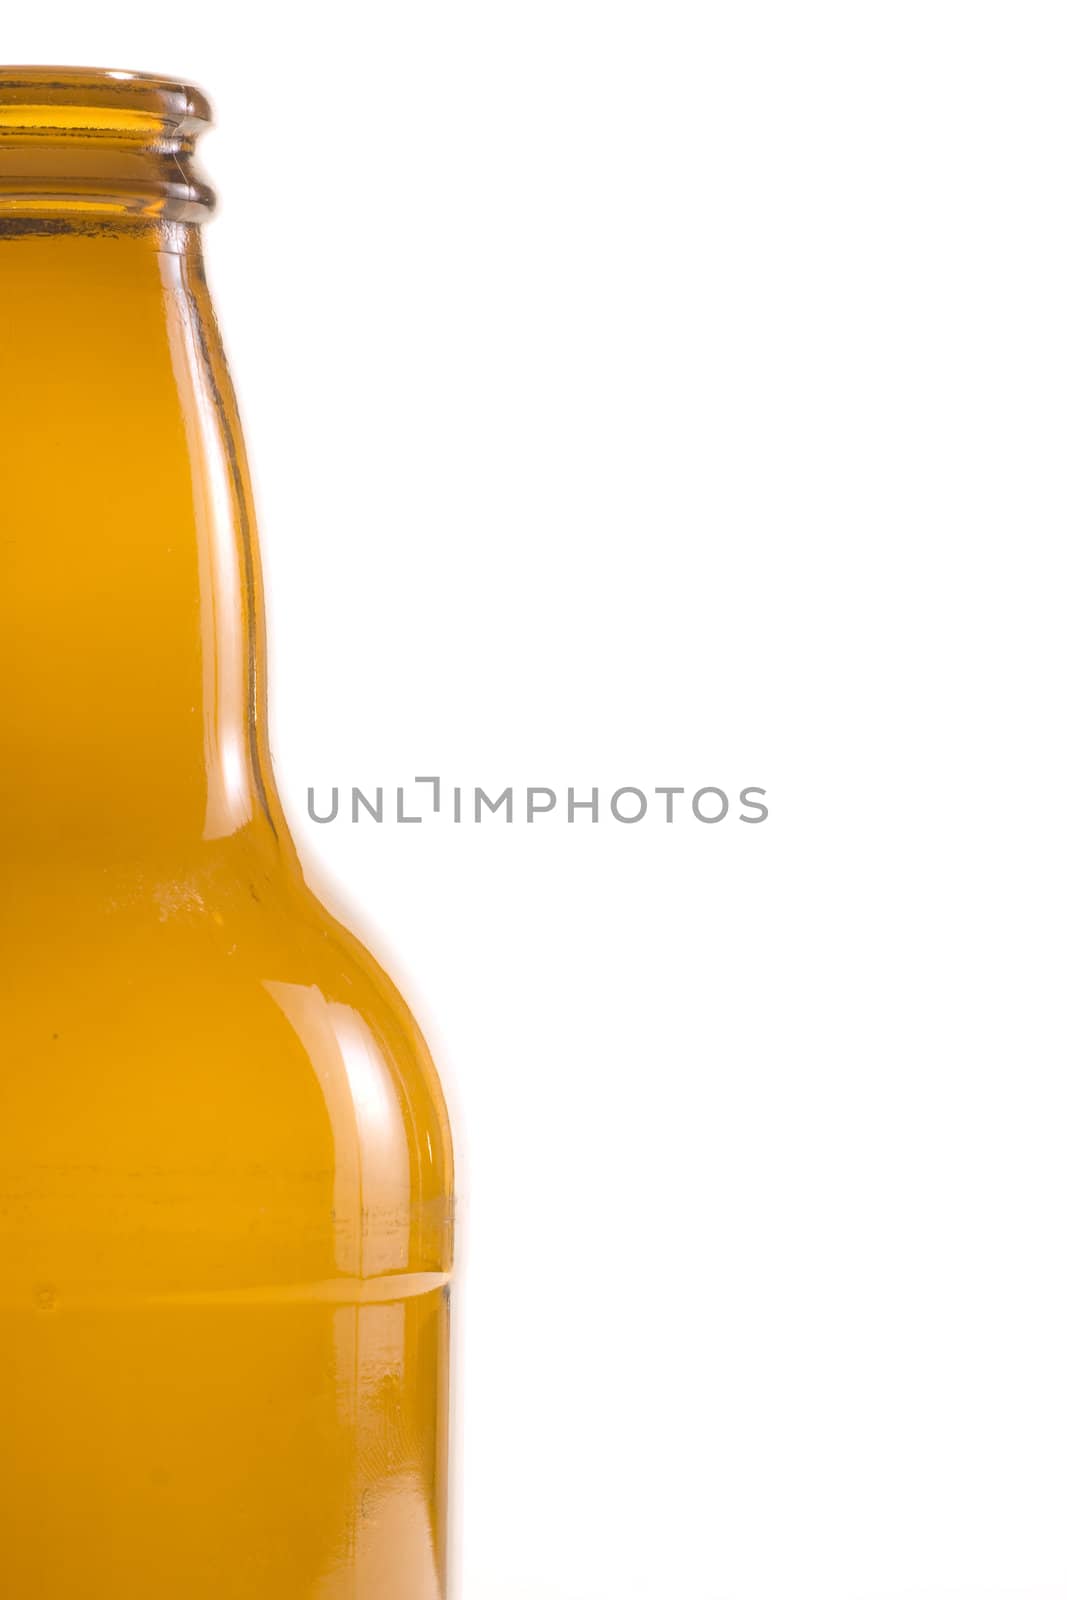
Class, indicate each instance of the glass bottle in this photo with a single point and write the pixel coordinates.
(225, 1164)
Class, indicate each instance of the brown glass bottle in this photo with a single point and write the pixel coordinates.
(225, 1165)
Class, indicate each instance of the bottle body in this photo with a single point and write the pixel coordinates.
(224, 1251)
(225, 1163)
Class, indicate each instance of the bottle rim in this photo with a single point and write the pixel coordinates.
(83, 100)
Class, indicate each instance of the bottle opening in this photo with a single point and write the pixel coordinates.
(100, 143)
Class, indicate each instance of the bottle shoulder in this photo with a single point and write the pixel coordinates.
(225, 919)
(210, 1038)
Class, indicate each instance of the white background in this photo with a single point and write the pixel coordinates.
(673, 393)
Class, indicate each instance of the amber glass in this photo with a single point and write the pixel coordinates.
(225, 1165)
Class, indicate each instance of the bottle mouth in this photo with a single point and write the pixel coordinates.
(75, 141)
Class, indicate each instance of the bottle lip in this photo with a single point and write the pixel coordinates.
(104, 144)
(110, 101)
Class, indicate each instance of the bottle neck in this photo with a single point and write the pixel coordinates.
(132, 711)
